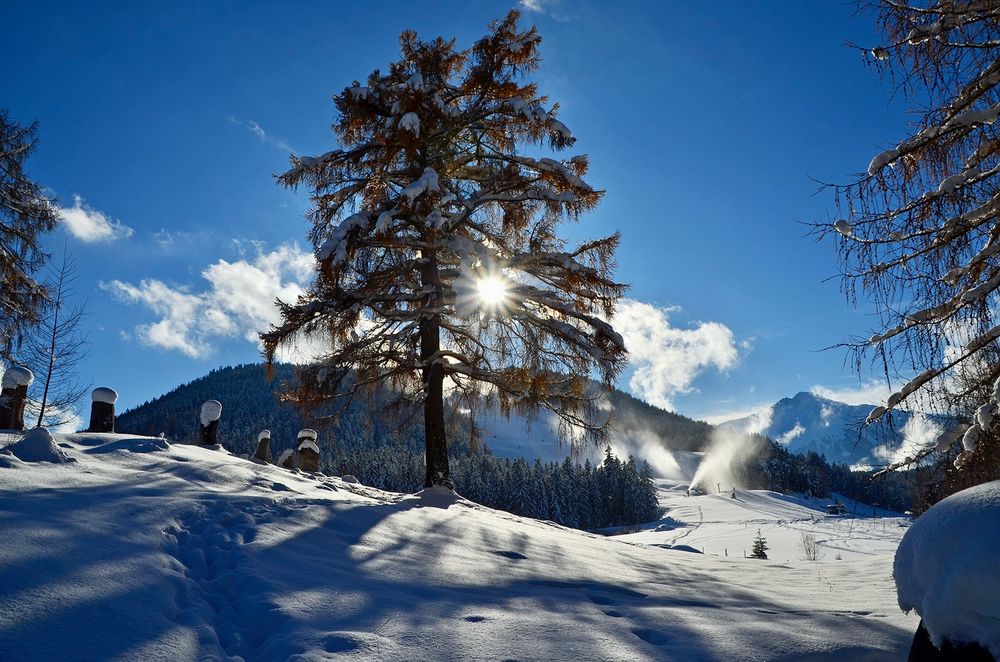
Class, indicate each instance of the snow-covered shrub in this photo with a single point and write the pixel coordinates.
(809, 547)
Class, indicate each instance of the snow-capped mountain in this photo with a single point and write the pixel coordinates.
(808, 422)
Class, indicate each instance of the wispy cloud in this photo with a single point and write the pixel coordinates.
(90, 225)
(554, 9)
(756, 418)
(259, 131)
(237, 302)
(176, 239)
(667, 360)
(871, 392)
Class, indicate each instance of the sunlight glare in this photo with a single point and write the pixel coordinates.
(492, 291)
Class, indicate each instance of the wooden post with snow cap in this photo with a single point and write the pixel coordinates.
(13, 395)
(102, 409)
(307, 452)
(208, 431)
(287, 459)
(263, 452)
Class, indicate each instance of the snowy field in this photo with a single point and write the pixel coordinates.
(142, 550)
(724, 524)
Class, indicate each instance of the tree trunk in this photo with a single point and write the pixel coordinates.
(438, 472)
(52, 348)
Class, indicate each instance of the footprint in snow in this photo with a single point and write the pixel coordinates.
(654, 637)
(338, 644)
(475, 619)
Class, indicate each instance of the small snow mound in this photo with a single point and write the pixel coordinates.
(14, 377)
(348, 478)
(37, 445)
(946, 568)
(104, 394)
(211, 410)
(307, 433)
(437, 496)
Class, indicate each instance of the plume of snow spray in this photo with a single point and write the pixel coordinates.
(647, 446)
(727, 450)
(642, 444)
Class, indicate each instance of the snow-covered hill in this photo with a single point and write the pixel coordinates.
(138, 549)
(725, 524)
(809, 422)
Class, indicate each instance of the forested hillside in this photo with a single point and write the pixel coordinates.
(388, 454)
(251, 403)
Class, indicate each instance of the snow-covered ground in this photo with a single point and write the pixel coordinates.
(143, 550)
(725, 525)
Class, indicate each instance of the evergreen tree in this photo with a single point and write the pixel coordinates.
(759, 550)
(25, 214)
(437, 245)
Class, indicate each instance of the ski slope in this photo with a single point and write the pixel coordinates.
(138, 549)
(725, 525)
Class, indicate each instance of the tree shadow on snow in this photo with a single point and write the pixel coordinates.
(276, 578)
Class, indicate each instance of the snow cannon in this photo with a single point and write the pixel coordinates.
(263, 452)
(13, 395)
(208, 431)
(102, 409)
(307, 451)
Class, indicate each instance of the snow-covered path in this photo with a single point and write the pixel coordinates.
(143, 550)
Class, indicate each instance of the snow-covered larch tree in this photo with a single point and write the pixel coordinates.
(25, 214)
(435, 234)
(920, 230)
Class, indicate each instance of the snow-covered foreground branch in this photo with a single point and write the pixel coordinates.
(145, 550)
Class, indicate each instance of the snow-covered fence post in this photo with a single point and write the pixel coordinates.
(263, 452)
(102, 409)
(307, 452)
(208, 431)
(13, 395)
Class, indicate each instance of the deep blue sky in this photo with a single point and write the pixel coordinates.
(703, 121)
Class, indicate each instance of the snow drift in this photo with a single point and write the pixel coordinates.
(946, 568)
(143, 549)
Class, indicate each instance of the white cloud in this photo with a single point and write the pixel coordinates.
(667, 360)
(57, 419)
(91, 226)
(871, 392)
(238, 302)
(759, 416)
(168, 240)
(554, 9)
